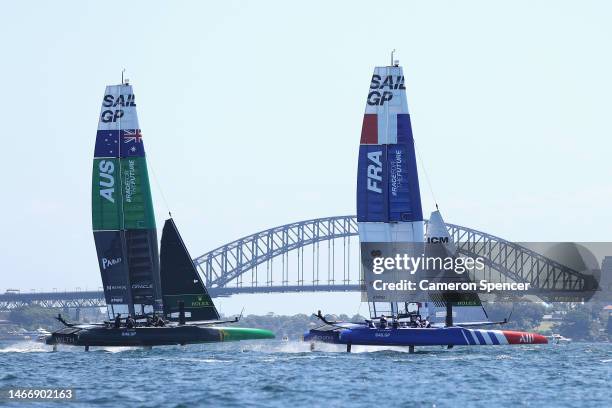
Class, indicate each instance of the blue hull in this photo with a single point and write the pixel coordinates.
(448, 336)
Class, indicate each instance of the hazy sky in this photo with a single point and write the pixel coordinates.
(251, 114)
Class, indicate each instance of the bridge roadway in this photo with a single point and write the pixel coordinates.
(95, 298)
(224, 269)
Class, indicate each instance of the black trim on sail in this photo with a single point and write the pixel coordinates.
(180, 280)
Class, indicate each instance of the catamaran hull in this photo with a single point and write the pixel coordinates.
(452, 336)
(153, 336)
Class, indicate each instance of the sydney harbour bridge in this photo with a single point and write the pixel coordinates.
(321, 255)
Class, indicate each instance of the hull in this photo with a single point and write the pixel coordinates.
(451, 336)
(153, 336)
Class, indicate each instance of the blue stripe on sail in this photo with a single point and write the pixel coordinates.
(493, 337)
(406, 206)
(404, 130)
(480, 338)
(400, 201)
(372, 194)
(388, 181)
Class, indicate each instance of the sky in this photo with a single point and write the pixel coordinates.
(251, 114)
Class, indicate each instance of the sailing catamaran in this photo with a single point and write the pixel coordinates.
(389, 216)
(135, 284)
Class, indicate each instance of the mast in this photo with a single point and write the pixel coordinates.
(449, 314)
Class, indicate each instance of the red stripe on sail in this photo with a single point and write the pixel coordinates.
(369, 130)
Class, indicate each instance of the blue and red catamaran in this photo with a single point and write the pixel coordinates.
(389, 215)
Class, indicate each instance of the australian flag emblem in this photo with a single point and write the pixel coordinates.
(107, 143)
(131, 143)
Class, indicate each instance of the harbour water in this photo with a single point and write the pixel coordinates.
(281, 374)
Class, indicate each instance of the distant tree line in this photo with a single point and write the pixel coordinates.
(33, 317)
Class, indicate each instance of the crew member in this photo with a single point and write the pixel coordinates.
(118, 321)
(158, 321)
(130, 322)
(383, 322)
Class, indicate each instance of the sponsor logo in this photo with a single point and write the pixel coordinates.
(378, 95)
(107, 263)
(376, 98)
(109, 101)
(117, 299)
(142, 286)
(382, 334)
(390, 82)
(200, 302)
(435, 240)
(526, 338)
(374, 171)
(319, 337)
(107, 180)
(122, 100)
(65, 339)
(129, 333)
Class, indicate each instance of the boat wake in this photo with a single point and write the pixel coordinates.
(299, 347)
(26, 347)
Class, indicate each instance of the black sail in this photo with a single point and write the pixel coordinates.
(180, 280)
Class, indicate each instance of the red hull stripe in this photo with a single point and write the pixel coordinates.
(369, 130)
(515, 337)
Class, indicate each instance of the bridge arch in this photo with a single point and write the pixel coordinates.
(227, 263)
(223, 268)
(509, 260)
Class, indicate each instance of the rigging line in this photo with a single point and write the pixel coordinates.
(158, 184)
(359, 308)
(425, 172)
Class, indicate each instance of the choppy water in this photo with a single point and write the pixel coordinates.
(281, 374)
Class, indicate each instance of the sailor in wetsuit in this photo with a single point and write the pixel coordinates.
(118, 321)
(383, 322)
(158, 322)
(130, 322)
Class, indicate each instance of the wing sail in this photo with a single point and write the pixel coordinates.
(180, 279)
(123, 219)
